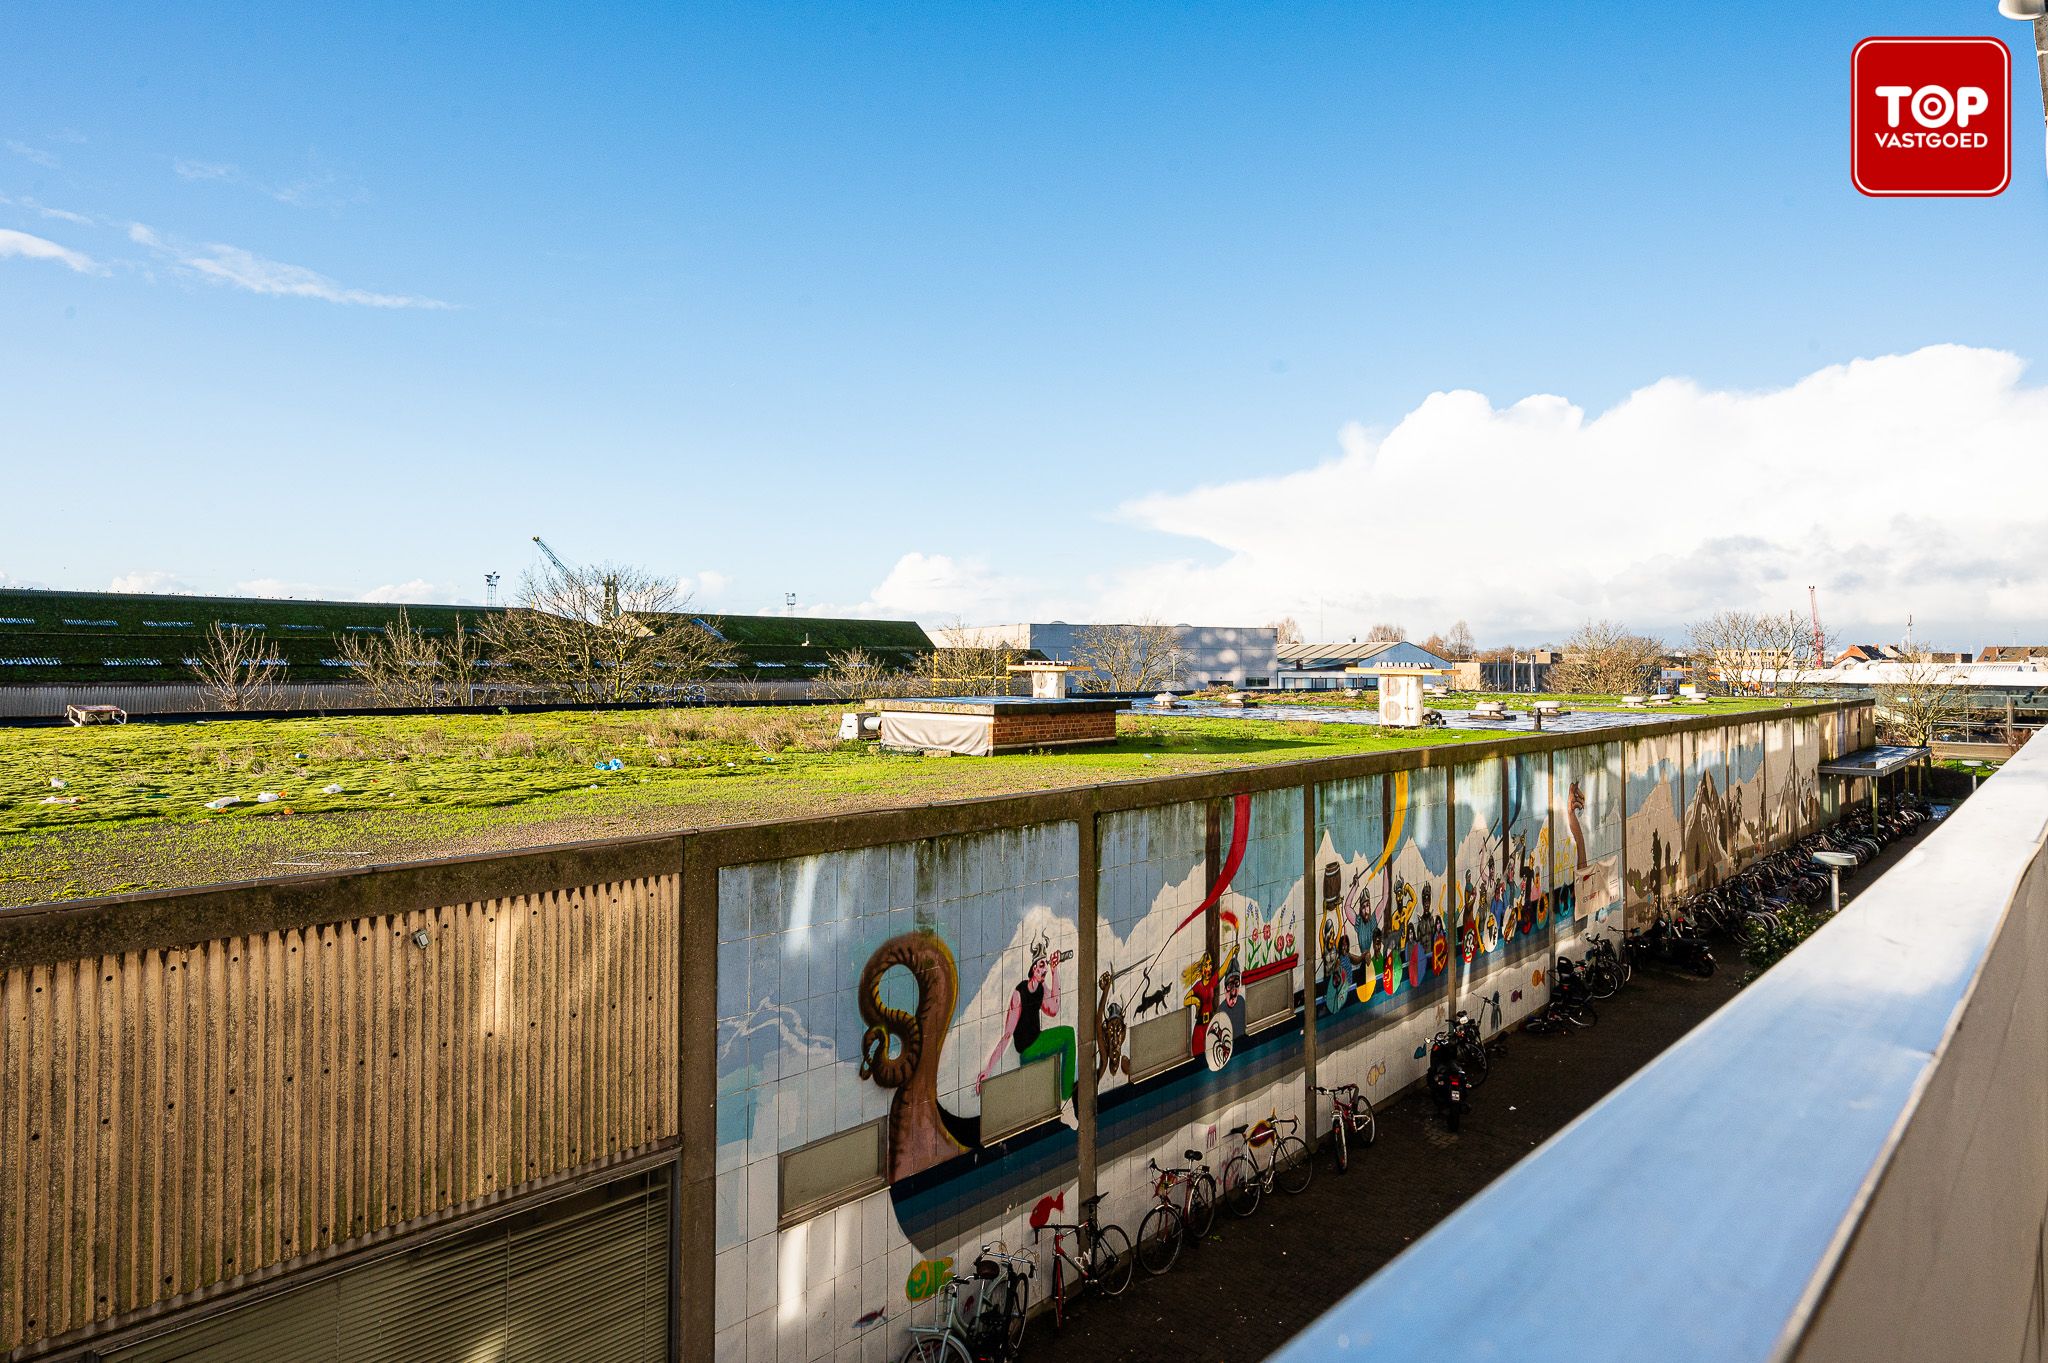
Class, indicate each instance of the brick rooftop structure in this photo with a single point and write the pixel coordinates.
(993, 725)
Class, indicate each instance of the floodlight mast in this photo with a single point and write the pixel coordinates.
(2036, 13)
(611, 580)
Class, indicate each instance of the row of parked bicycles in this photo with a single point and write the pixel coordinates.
(1756, 899)
(981, 1317)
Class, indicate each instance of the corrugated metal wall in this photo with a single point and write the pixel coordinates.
(171, 1119)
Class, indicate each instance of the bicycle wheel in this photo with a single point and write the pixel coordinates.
(1292, 1167)
(1365, 1125)
(1201, 1211)
(1018, 1307)
(936, 1349)
(1111, 1265)
(1473, 1057)
(1242, 1186)
(1603, 980)
(1159, 1238)
(1338, 1146)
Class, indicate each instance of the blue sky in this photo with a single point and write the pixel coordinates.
(957, 309)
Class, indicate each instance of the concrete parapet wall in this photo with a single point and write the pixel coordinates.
(213, 1090)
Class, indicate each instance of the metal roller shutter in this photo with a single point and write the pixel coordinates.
(585, 1278)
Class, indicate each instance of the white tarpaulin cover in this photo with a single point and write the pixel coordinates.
(938, 731)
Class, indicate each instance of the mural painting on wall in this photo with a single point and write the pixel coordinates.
(1252, 945)
(1383, 933)
(1656, 807)
(902, 1048)
(1709, 813)
(1586, 857)
(889, 985)
(1507, 895)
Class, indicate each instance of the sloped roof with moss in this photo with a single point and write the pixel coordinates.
(129, 637)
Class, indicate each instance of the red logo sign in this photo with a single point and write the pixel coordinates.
(1931, 116)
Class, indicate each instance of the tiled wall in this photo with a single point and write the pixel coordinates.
(1190, 899)
(799, 942)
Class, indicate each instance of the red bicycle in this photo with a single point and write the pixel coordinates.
(1167, 1225)
(1351, 1123)
(1100, 1258)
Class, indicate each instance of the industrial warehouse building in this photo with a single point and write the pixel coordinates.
(1209, 654)
(135, 650)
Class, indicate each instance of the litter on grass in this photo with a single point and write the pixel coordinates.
(331, 790)
(224, 801)
(268, 797)
(58, 800)
(58, 783)
(611, 764)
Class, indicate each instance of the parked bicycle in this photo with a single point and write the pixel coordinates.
(1087, 1254)
(1606, 969)
(1246, 1178)
(1351, 1122)
(949, 1338)
(991, 1330)
(1174, 1219)
(1002, 1308)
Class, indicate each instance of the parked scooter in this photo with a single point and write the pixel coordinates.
(1448, 1082)
(1673, 943)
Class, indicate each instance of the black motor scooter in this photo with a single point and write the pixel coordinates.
(1448, 1083)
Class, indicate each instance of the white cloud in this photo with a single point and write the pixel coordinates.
(10, 580)
(938, 588)
(419, 591)
(201, 170)
(26, 247)
(237, 268)
(149, 580)
(705, 588)
(278, 587)
(60, 214)
(1904, 484)
(33, 155)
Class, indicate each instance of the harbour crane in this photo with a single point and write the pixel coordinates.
(611, 580)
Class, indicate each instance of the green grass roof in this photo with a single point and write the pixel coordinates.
(126, 637)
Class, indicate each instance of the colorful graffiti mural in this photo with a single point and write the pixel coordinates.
(898, 988)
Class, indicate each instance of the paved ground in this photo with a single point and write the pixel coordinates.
(1254, 1283)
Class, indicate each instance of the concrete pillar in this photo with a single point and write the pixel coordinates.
(1087, 952)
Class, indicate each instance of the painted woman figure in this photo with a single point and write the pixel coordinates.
(1036, 999)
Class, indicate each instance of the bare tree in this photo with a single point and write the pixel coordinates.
(462, 663)
(1603, 658)
(1286, 629)
(971, 670)
(236, 669)
(1460, 642)
(1384, 631)
(1437, 644)
(858, 674)
(604, 633)
(398, 665)
(1919, 700)
(403, 665)
(1146, 656)
(1749, 651)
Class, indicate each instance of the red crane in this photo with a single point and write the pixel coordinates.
(1820, 642)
